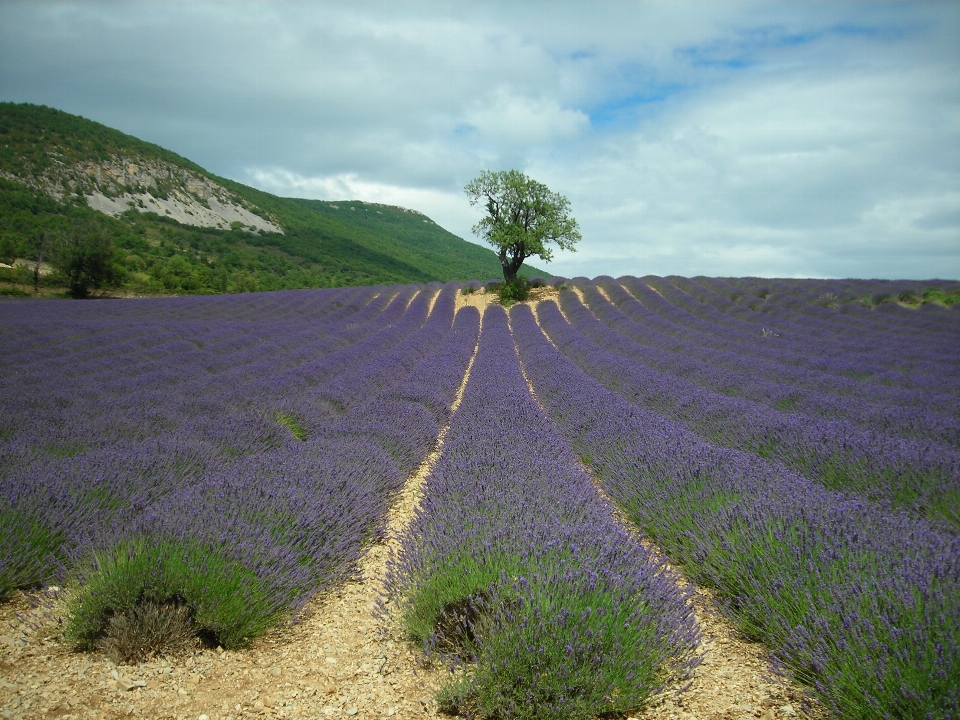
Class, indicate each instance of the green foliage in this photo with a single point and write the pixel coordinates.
(291, 423)
(518, 662)
(224, 599)
(393, 237)
(35, 137)
(8, 250)
(29, 544)
(87, 259)
(942, 297)
(513, 291)
(508, 662)
(523, 218)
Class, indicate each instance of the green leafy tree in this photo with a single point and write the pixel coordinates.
(523, 218)
(178, 274)
(244, 281)
(88, 260)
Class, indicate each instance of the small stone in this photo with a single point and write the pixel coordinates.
(275, 672)
(203, 717)
(352, 711)
(332, 660)
(330, 689)
(258, 704)
(219, 650)
(269, 702)
(195, 679)
(181, 691)
(124, 684)
(140, 683)
(788, 711)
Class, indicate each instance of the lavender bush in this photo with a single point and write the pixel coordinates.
(514, 565)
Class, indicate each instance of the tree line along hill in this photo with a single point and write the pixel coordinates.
(174, 228)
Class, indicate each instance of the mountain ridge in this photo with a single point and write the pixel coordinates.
(182, 229)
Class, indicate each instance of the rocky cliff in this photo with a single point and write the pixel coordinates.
(123, 182)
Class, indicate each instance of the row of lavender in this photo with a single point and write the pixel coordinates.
(57, 361)
(920, 474)
(779, 373)
(859, 601)
(802, 361)
(831, 302)
(842, 325)
(515, 567)
(194, 489)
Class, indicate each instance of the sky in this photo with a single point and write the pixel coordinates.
(771, 139)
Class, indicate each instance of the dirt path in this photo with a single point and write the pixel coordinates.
(339, 661)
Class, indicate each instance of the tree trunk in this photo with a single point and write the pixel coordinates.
(512, 265)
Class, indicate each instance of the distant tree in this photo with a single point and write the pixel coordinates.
(244, 281)
(178, 274)
(87, 258)
(40, 251)
(523, 218)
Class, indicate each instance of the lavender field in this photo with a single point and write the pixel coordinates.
(792, 444)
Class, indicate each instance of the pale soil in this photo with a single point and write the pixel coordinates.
(45, 268)
(339, 660)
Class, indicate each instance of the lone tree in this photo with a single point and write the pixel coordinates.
(523, 217)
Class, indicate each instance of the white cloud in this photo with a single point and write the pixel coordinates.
(782, 138)
(515, 120)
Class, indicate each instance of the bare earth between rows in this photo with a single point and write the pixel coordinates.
(338, 660)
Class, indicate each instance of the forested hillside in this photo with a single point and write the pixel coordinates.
(178, 229)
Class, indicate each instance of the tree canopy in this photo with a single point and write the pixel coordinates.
(523, 218)
(87, 258)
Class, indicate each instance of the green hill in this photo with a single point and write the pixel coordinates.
(180, 229)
